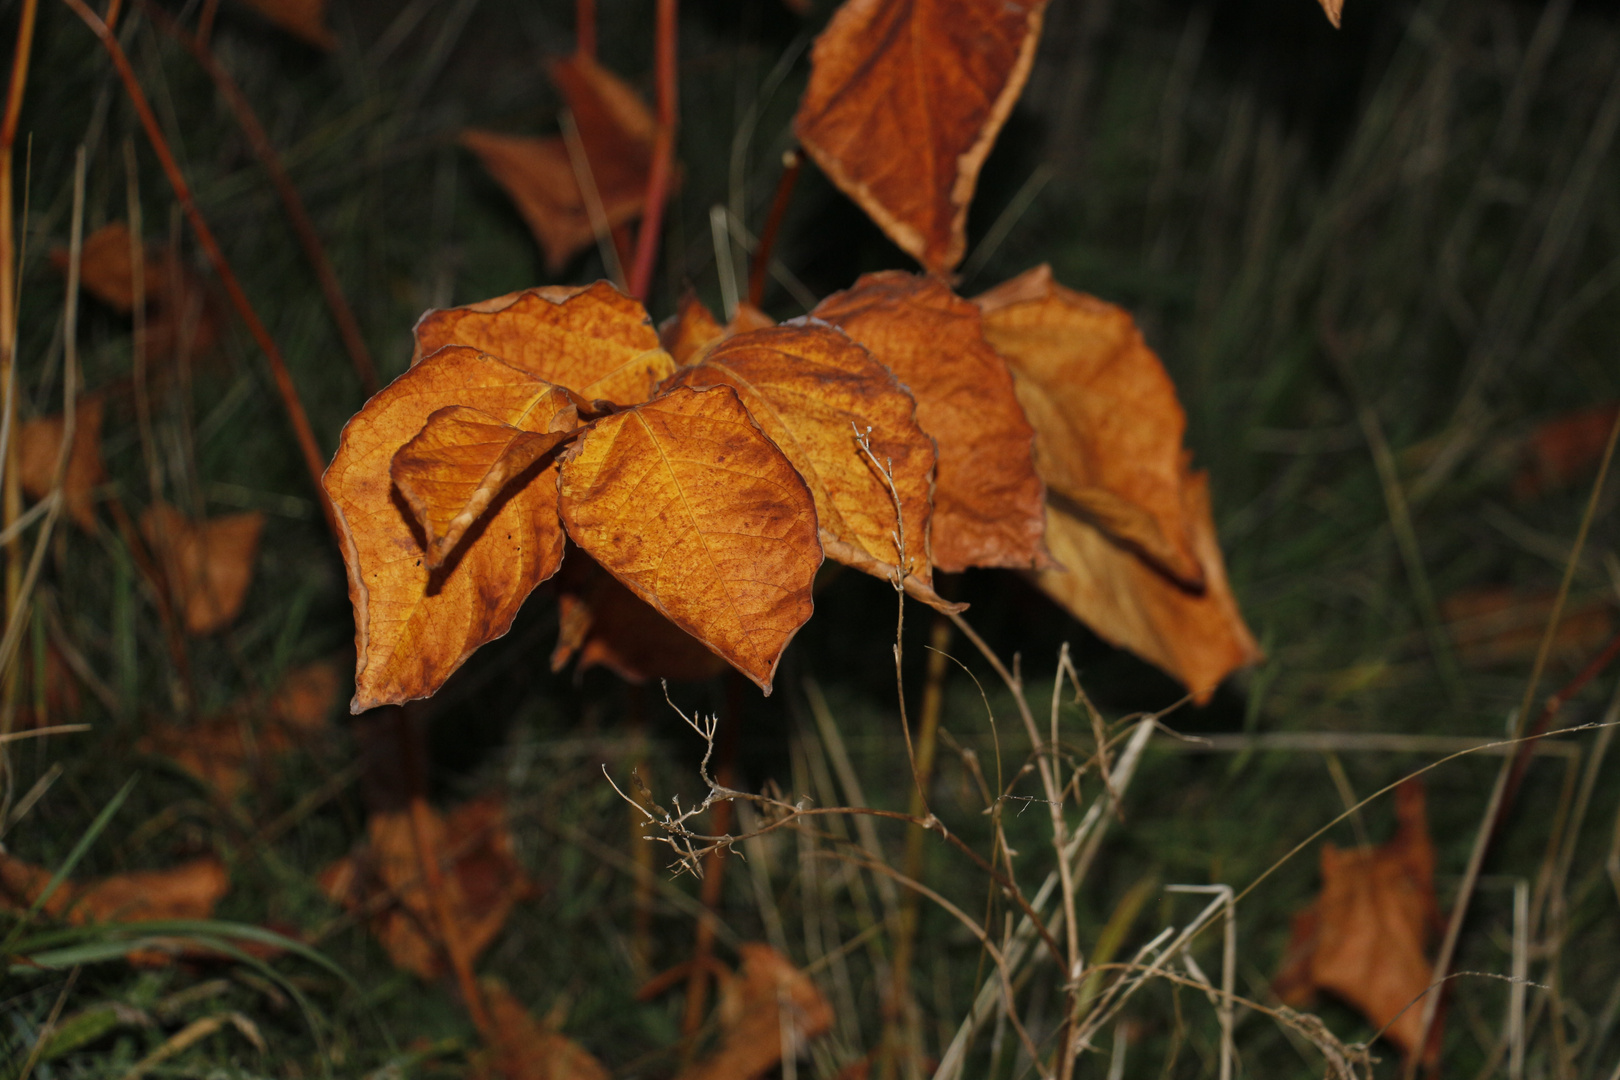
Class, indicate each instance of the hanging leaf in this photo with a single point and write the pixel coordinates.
(1333, 9)
(40, 441)
(692, 327)
(687, 502)
(414, 624)
(905, 99)
(592, 339)
(208, 565)
(1110, 425)
(987, 497)
(605, 624)
(482, 876)
(768, 1009)
(616, 131)
(812, 390)
(1366, 937)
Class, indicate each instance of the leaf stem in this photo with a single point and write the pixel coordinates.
(791, 163)
(663, 162)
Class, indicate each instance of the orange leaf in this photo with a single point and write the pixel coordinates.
(606, 624)
(304, 19)
(208, 565)
(187, 891)
(415, 625)
(692, 507)
(484, 882)
(1496, 625)
(692, 327)
(179, 310)
(1333, 9)
(526, 1049)
(987, 498)
(1110, 426)
(1559, 450)
(769, 1008)
(616, 132)
(40, 441)
(462, 460)
(905, 99)
(812, 389)
(1366, 938)
(1197, 638)
(592, 339)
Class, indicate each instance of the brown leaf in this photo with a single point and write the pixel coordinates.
(483, 879)
(1497, 625)
(987, 497)
(768, 1009)
(1366, 938)
(307, 696)
(1197, 638)
(616, 132)
(1333, 9)
(592, 339)
(693, 327)
(905, 99)
(208, 565)
(688, 503)
(179, 310)
(187, 891)
(414, 625)
(304, 19)
(462, 460)
(1560, 450)
(40, 441)
(1110, 426)
(526, 1049)
(605, 624)
(812, 389)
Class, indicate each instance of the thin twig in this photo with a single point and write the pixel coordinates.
(663, 161)
(792, 161)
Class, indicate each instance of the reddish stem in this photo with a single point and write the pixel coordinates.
(1549, 712)
(348, 326)
(663, 162)
(302, 431)
(585, 28)
(791, 161)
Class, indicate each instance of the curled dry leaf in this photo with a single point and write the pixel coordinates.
(905, 99)
(987, 497)
(179, 311)
(1366, 937)
(526, 1049)
(208, 565)
(688, 503)
(1496, 625)
(593, 340)
(414, 624)
(616, 131)
(40, 441)
(304, 19)
(768, 1010)
(485, 882)
(813, 390)
(607, 625)
(1110, 425)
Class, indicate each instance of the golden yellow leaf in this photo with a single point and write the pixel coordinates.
(607, 625)
(987, 497)
(415, 625)
(687, 502)
(813, 391)
(592, 339)
(208, 565)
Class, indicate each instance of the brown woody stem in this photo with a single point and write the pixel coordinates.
(305, 435)
(348, 326)
(663, 162)
(760, 271)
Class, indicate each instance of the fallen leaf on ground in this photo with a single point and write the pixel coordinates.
(208, 565)
(605, 624)
(1560, 450)
(616, 131)
(768, 1011)
(415, 625)
(527, 1049)
(49, 693)
(1198, 638)
(812, 390)
(687, 502)
(1366, 937)
(304, 19)
(187, 891)
(40, 441)
(905, 99)
(482, 875)
(1110, 426)
(987, 497)
(1501, 625)
(245, 740)
(179, 310)
(592, 339)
